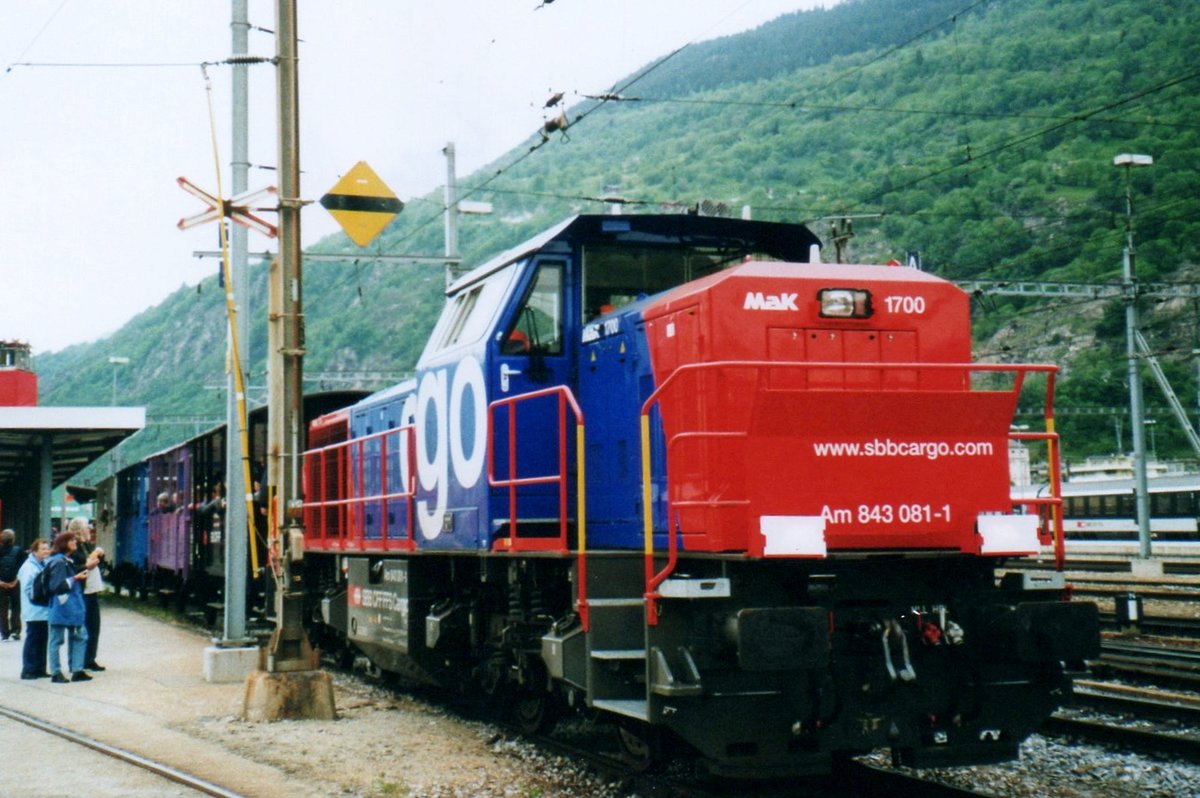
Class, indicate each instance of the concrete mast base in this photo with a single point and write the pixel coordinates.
(296, 695)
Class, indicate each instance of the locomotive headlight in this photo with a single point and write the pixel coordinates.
(845, 303)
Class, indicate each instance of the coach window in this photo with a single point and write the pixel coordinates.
(538, 324)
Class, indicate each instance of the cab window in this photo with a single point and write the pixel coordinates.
(470, 313)
(615, 275)
(537, 326)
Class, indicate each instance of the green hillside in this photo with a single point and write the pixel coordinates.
(979, 134)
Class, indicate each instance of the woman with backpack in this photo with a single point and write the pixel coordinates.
(67, 613)
(37, 616)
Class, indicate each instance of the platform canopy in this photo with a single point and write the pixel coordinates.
(77, 436)
(41, 447)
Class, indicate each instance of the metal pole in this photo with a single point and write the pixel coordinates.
(451, 197)
(236, 546)
(289, 649)
(46, 487)
(1196, 354)
(1136, 407)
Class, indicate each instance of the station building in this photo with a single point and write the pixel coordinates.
(41, 447)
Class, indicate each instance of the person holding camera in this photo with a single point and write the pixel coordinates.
(87, 559)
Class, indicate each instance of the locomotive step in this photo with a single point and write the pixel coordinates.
(628, 708)
(688, 588)
(616, 602)
(619, 653)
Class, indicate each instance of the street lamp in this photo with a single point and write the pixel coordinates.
(115, 361)
(1136, 408)
(1153, 446)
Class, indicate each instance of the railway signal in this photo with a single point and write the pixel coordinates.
(362, 204)
(236, 208)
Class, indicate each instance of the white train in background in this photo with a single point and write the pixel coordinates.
(1099, 515)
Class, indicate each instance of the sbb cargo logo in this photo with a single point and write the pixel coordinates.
(757, 300)
(354, 597)
(449, 413)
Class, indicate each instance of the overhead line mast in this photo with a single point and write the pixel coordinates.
(292, 686)
(289, 646)
(1124, 291)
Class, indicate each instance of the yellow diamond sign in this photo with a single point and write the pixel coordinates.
(362, 204)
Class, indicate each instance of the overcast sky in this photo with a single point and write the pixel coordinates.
(89, 154)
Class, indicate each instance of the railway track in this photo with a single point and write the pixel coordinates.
(1107, 590)
(850, 778)
(597, 745)
(1140, 702)
(174, 775)
(1168, 627)
(1159, 665)
(1124, 710)
(856, 778)
(1126, 737)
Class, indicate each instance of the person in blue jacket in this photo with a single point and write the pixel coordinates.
(67, 613)
(37, 618)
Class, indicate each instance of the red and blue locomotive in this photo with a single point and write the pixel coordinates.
(670, 469)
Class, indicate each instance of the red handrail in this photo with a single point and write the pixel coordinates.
(513, 481)
(352, 496)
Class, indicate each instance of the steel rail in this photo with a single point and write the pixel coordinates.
(158, 768)
(1140, 702)
(1178, 627)
(861, 778)
(1127, 737)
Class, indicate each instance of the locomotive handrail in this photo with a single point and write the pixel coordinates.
(1019, 370)
(353, 534)
(512, 482)
(654, 580)
(1054, 500)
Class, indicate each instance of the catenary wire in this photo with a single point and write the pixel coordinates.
(36, 36)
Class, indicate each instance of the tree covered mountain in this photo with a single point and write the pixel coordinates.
(980, 134)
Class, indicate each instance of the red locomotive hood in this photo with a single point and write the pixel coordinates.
(739, 310)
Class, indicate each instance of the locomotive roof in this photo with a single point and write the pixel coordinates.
(785, 241)
(399, 389)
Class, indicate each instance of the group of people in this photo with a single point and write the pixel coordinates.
(73, 583)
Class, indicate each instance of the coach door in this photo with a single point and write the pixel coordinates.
(531, 354)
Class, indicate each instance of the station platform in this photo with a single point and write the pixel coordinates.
(1169, 561)
(152, 689)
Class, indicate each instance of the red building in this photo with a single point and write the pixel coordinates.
(18, 382)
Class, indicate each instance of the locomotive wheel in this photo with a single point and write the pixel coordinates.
(534, 711)
(345, 656)
(640, 745)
